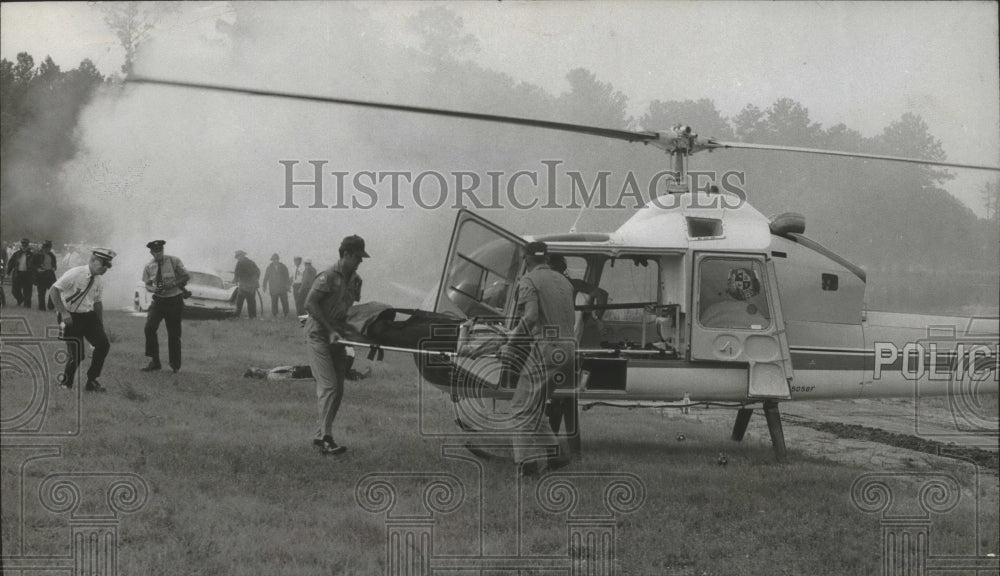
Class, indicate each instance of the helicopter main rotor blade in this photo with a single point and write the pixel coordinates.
(713, 144)
(679, 139)
(626, 135)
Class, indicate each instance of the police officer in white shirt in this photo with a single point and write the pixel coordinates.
(77, 298)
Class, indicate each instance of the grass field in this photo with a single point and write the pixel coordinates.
(234, 486)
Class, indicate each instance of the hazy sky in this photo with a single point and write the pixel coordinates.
(863, 64)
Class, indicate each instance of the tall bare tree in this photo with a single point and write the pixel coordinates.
(132, 23)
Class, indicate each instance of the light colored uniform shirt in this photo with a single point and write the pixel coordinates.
(171, 268)
(554, 294)
(297, 277)
(79, 294)
(339, 293)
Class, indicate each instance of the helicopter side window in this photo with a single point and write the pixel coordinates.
(732, 295)
(632, 285)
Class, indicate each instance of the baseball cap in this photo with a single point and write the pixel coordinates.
(354, 243)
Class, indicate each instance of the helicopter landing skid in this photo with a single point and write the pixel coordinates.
(773, 417)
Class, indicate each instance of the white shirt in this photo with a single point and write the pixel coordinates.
(73, 287)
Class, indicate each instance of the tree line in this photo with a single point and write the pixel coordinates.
(40, 107)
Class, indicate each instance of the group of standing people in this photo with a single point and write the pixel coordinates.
(544, 333)
(278, 282)
(30, 270)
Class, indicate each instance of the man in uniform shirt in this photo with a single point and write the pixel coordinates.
(77, 298)
(329, 299)
(43, 264)
(166, 277)
(297, 294)
(19, 270)
(545, 306)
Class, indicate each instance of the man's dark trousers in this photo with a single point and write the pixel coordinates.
(22, 285)
(85, 325)
(170, 311)
(44, 281)
(250, 298)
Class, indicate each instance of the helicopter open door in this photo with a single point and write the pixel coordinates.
(737, 318)
(480, 275)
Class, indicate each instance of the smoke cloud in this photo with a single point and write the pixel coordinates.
(202, 170)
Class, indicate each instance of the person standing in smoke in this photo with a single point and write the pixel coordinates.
(277, 284)
(166, 277)
(308, 277)
(297, 295)
(43, 264)
(247, 276)
(19, 270)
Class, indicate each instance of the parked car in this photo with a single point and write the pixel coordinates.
(208, 294)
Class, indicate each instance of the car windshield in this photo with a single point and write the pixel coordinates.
(203, 279)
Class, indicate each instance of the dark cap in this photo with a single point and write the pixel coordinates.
(47, 244)
(240, 253)
(156, 245)
(354, 244)
(536, 249)
(275, 256)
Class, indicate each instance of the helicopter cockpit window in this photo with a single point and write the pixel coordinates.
(482, 271)
(732, 295)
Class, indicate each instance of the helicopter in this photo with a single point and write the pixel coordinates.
(697, 299)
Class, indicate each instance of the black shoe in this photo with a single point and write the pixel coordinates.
(328, 447)
(153, 366)
(175, 369)
(94, 386)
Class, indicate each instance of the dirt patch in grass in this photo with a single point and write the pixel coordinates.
(982, 458)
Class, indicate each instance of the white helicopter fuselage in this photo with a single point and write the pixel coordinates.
(670, 329)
